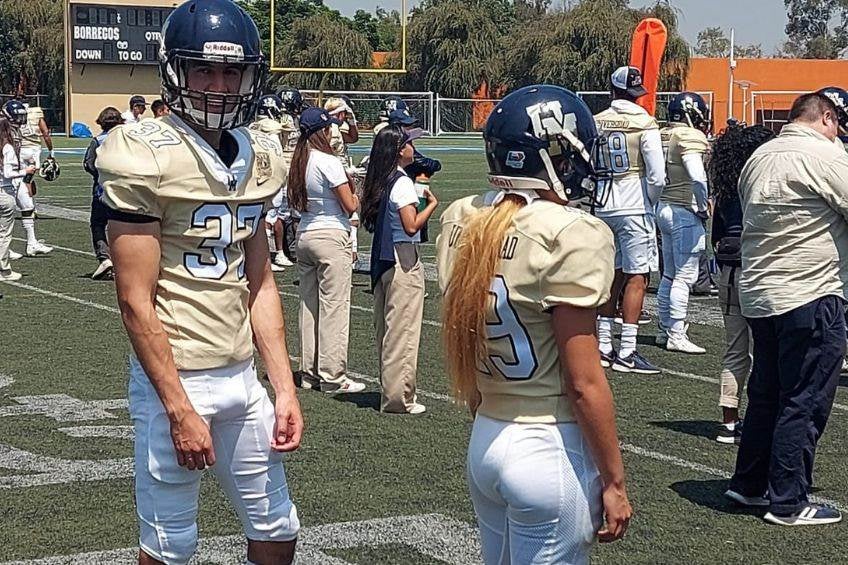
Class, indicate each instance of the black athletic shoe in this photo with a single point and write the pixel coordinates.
(730, 436)
(607, 359)
(634, 363)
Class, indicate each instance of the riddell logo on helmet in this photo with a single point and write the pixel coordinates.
(500, 182)
(223, 49)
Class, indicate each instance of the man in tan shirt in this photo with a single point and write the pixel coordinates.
(794, 192)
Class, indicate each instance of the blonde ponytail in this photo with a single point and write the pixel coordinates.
(467, 295)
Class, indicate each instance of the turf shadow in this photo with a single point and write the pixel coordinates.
(360, 399)
(697, 428)
(710, 494)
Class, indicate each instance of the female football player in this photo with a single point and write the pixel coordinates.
(523, 275)
(319, 189)
(390, 211)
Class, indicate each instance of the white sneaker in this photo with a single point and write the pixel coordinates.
(344, 387)
(417, 409)
(10, 276)
(14, 255)
(681, 343)
(103, 270)
(281, 260)
(38, 248)
(277, 268)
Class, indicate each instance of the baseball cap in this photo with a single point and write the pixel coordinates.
(137, 100)
(411, 134)
(401, 117)
(628, 79)
(315, 119)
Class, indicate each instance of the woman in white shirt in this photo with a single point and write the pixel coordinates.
(390, 210)
(12, 176)
(320, 190)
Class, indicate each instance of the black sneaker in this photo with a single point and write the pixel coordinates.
(730, 436)
(634, 363)
(607, 359)
(810, 515)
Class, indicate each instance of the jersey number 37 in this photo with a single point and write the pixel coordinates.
(215, 263)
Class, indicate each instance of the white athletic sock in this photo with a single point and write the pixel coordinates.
(605, 334)
(29, 228)
(628, 339)
(677, 327)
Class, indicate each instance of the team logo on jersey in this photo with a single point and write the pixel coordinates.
(263, 167)
(515, 159)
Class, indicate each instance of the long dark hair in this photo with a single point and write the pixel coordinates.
(383, 161)
(297, 173)
(730, 152)
(7, 136)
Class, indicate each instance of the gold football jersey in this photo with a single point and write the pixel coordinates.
(161, 168)
(289, 136)
(551, 255)
(30, 132)
(678, 141)
(338, 144)
(623, 133)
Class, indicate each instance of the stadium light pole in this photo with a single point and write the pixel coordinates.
(732, 68)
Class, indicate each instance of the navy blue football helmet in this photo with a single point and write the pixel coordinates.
(689, 108)
(543, 137)
(389, 105)
(839, 97)
(292, 100)
(270, 106)
(204, 33)
(15, 111)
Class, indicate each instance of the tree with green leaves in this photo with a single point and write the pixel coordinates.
(455, 45)
(322, 41)
(31, 49)
(713, 42)
(817, 29)
(581, 45)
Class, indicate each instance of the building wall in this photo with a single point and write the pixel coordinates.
(794, 75)
(93, 86)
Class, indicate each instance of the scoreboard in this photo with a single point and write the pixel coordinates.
(124, 35)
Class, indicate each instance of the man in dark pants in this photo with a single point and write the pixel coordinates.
(794, 278)
(109, 117)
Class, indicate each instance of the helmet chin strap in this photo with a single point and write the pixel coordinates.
(556, 184)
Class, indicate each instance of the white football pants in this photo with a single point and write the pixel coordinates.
(241, 419)
(683, 242)
(536, 492)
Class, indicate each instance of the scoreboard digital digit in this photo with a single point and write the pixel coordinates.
(124, 35)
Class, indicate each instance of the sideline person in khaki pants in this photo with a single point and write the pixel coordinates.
(319, 188)
(729, 153)
(390, 210)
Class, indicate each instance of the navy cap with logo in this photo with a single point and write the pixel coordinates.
(315, 119)
(402, 117)
(628, 79)
(136, 100)
(411, 134)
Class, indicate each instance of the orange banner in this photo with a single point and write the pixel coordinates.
(646, 54)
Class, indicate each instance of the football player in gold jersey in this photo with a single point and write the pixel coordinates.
(523, 274)
(637, 163)
(681, 214)
(187, 194)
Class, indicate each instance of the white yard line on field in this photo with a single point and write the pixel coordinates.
(635, 449)
(437, 324)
